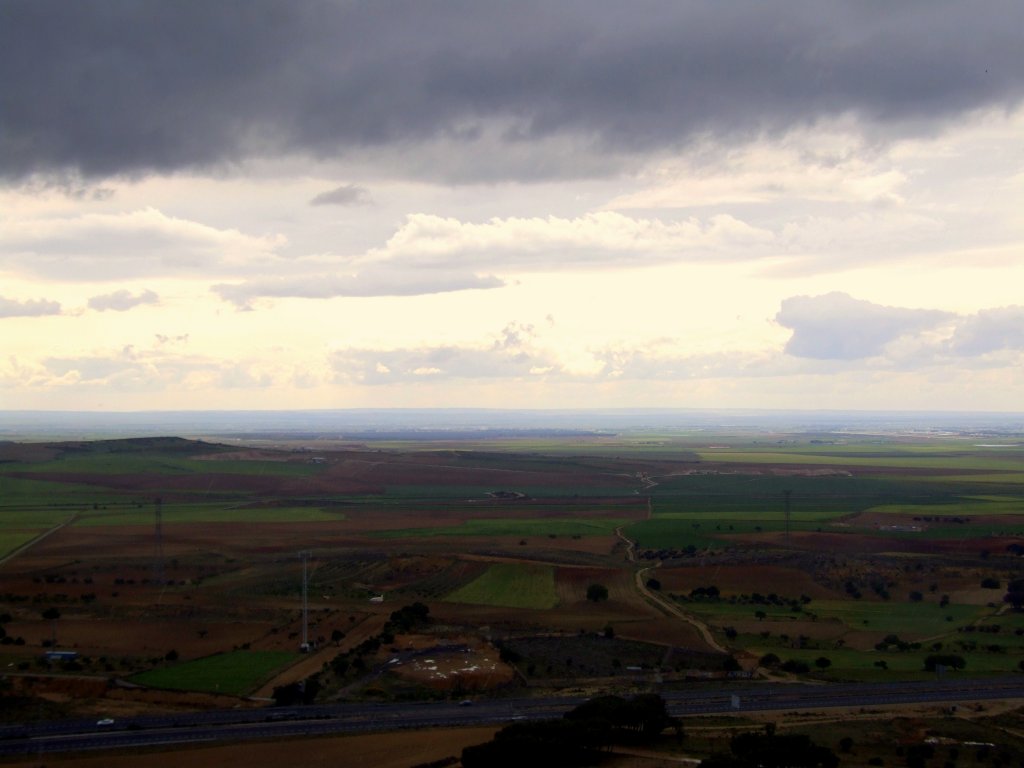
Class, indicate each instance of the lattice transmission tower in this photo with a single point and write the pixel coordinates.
(158, 541)
(305, 555)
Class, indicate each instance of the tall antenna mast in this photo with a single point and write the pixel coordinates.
(305, 555)
(158, 532)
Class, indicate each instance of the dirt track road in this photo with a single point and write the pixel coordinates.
(661, 602)
(32, 542)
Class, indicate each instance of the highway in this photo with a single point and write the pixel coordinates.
(223, 726)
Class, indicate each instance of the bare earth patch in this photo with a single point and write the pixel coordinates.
(399, 749)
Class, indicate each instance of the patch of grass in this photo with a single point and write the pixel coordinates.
(11, 540)
(510, 585)
(1014, 479)
(462, 492)
(909, 620)
(923, 619)
(907, 665)
(237, 673)
(19, 526)
(590, 655)
(19, 491)
(950, 460)
(40, 519)
(680, 532)
(972, 506)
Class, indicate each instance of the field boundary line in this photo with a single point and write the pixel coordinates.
(32, 542)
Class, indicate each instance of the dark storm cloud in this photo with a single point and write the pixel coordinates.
(101, 87)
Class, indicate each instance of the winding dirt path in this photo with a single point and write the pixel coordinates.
(667, 606)
(662, 603)
(313, 662)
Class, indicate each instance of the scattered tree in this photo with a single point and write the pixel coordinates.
(51, 615)
(772, 750)
(597, 592)
(952, 661)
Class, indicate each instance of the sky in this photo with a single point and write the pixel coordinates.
(255, 204)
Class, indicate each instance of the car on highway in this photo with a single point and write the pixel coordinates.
(105, 721)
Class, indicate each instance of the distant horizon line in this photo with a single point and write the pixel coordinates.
(495, 409)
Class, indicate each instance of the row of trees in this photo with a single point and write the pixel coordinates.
(402, 621)
(772, 750)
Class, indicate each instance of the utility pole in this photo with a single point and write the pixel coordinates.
(786, 494)
(158, 531)
(305, 555)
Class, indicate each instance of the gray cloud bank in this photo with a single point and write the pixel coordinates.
(898, 341)
(108, 87)
(122, 300)
(346, 194)
(837, 326)
(37, 308)
(831, 333)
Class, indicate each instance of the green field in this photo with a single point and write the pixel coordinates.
(513, 527)
(18, 526)
(466, 492)
(419, 519)
(968, 506)
(207, 513)
(236, 673)
(922, 458)
(510, 586)
(11, 540)
(678, 533)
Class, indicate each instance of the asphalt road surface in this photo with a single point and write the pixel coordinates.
(286, 722)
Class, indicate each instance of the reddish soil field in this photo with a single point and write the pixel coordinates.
(132, 634)
(211, 484)
(662, 630)
(857, 544)
(572, 584)
(743, 579)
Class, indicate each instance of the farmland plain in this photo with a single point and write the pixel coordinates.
(154, 562)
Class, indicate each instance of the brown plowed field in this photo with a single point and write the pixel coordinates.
(743, 579)
(398, 749)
